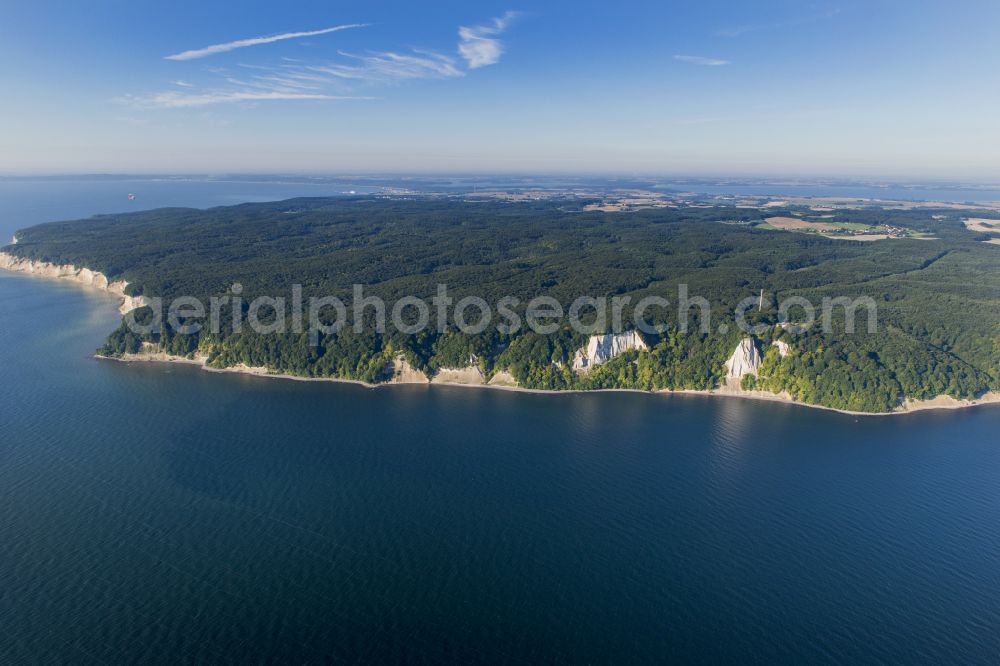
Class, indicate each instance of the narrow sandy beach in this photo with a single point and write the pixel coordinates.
(941, 402)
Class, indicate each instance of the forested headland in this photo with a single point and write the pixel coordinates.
(938, 300)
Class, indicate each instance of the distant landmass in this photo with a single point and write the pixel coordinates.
(933, 270)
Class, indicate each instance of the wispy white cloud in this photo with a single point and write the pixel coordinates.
(181, 100)
(347, 77)
(388, 67)
(254, 41)
(478, 44)
(701, 60)
(293, 81)
(736, 31)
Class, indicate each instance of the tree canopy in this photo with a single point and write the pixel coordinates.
(938, 300)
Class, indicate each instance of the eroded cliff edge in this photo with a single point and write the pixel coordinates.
(80, 275)
(746, 359)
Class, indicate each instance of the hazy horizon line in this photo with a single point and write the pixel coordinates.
(508, 173)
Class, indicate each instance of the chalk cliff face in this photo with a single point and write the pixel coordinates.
(83, 276)
(503, 378)
(404, 373)
(745, 360)
(602, 348)
(471, 375)
(129, 303)
(783, 348)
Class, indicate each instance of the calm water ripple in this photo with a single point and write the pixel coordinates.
(163, 514)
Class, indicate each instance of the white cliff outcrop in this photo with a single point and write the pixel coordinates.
(404, 373)
(470, 375)
(129, 303)
(503, 378)
(745, 360)
(783, 348)
(83, 276)
(602, 348)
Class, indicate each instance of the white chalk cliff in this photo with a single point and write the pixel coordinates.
(83, 276)
(404, 373)
(783, 348)
(745, 360)
(469, 374)
(602, 348)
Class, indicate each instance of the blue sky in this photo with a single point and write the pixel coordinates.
(873, 88)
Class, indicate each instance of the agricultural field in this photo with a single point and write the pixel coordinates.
(827, 226)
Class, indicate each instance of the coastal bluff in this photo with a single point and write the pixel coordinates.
(602, 348)
(79, 275)
(746, 360)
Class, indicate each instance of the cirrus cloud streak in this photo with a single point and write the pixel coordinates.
(254, 41)
(176, 100)
(701, 60)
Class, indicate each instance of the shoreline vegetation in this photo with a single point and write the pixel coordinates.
(404, 374)
(941, 402)
(929, 334)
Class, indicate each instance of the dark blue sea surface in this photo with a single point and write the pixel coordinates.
(157, 513)
(154, 512)
(28, 201)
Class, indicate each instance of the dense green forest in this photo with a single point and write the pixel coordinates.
(938, 300)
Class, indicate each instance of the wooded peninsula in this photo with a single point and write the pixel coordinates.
(935, 280)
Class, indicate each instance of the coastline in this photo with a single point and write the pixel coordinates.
(409, 376)
(82, 276)
(940, 403)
